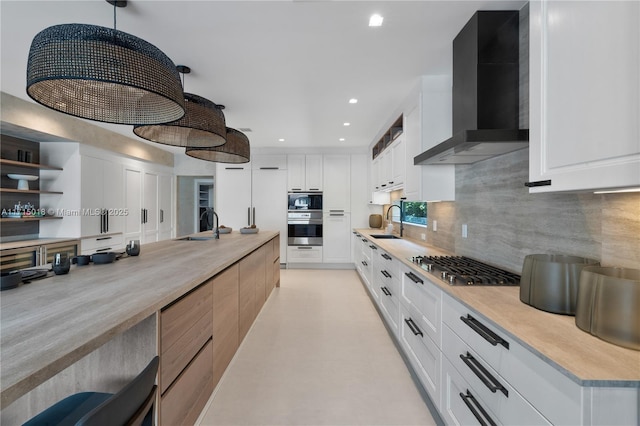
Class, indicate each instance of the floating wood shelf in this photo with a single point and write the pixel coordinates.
(6, 162)
(28, 191)
(28, 219)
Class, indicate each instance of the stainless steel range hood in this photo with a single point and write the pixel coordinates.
(486, 88)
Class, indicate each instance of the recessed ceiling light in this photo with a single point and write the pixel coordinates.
(347, 124)
(375, 20)
(281, 140)
(341, 139)
(353, 101)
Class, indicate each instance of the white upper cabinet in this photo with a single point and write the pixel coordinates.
(431, 120)
(336, 196)
(269, 162)
(584, 95)
(398, 162)
(313, 172)
(304, 172)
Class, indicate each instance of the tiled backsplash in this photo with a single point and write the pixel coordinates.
(505, 223)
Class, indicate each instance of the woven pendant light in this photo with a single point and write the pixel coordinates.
(203, 124)
(103, 74)
(235, 150)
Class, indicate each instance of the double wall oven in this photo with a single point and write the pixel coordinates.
(304, 219)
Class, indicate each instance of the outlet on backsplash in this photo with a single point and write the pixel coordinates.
(464, 230)
(434, 226)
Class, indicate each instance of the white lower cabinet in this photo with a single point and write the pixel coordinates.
(387, 283)
(424, 355)
(473, 371)
(304, 254)
(553, 394)
(491, 389)
(460, 405)
(423, 298)
(336, 237)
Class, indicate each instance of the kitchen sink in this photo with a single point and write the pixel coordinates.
(194, 239)
(385, 236)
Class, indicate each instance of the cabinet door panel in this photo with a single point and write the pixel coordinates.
(225, 320)
(337, 183)
(133, 202)
(313, 172)
(113, 196)
(233, 195)
(150, 204)
(296, 172)
(336, 231)
(269, 199)
(91, 178)
(585, 94)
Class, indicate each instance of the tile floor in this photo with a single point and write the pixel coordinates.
(318, 354)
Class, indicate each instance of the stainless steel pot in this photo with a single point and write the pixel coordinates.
(549, 282)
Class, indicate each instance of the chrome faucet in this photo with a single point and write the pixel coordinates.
(216, 231)
(401, 223)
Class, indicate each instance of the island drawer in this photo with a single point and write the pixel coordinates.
(113, 242)
(185, 327)
(185, 399)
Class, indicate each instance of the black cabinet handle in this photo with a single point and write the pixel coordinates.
(314, 189)
(386, 256)
(468, 399)
(485, 377)
(161, 216)
(142, 215)
(385, 291)
(484, 332)
(364, 240)
(103, 238)
(296, 189)
(390, 182)
(106, 216)
(101, 222)
(538, 183)
(269, 168)
(305, 248)
(373, 247)
(414, 328)
(385, 273)
(413, 277)
(104, 249)
(364, 263)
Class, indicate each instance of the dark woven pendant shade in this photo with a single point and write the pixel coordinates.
(235, 150)
(103, 74)
(203, 125)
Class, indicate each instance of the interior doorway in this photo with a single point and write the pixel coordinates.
(203, 196)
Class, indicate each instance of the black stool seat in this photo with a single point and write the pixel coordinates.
(71, 409)
(132, 405)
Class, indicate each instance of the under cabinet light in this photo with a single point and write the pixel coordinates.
(617, 191)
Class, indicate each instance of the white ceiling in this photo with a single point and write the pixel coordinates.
(285, 69)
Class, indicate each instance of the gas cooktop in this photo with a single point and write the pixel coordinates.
(460, 270)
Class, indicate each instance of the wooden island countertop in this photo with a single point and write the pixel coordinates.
(49, 324)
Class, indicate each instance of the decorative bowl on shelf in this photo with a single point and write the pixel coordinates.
(23, 180)
(249, 230)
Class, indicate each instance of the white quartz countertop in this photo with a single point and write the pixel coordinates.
(48, 325)
(584, 358)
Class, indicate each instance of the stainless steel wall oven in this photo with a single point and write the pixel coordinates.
(304, 219)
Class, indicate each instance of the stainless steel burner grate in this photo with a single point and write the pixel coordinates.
(460, 270)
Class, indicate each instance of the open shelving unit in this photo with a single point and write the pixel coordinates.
(4, 161)
(388, 137)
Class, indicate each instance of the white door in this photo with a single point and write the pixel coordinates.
(232, 187)
(133, 202)
(269, 200)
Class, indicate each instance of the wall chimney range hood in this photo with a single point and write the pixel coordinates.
(485, 92)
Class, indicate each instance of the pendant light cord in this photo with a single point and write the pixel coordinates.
(114, 15)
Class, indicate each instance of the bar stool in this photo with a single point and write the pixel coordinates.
(132, 405)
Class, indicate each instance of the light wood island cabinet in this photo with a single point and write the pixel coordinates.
(183, 307)
(225, 320)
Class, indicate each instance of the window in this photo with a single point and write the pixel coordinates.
(414, 212)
